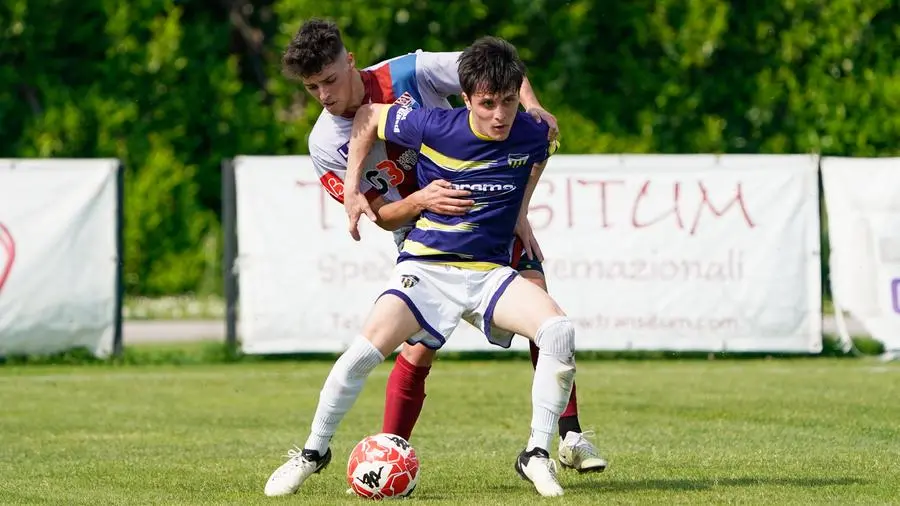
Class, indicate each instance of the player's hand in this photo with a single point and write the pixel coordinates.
(540, 115)
(356, 204)
(529, 242)
(440, 197)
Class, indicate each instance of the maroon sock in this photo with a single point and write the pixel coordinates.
(404, 397)
(571, 411)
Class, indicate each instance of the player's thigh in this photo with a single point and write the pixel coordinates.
(390, 323)
(529, 268)
(523, 307)
(418, 355)
(536, 277)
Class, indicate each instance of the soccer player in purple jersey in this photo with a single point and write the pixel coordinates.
(452, 268)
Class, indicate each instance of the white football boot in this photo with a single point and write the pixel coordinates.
(576, 452)
(537, 467)
(301, 464)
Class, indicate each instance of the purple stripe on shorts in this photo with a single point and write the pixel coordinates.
(419, 318)
(489, 313)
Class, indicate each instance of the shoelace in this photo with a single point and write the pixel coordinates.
(583, 443)
(295, 453)
(551, 468)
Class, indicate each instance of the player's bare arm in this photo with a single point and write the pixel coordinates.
(533, 107)
(523, 226)
(439, 197)
(362, 137)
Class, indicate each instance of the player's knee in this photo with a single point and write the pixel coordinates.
(360, 359)
(418, 355)
(556, 336)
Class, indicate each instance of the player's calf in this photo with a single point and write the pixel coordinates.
(391, 323)
(553, 377)
(405, 390)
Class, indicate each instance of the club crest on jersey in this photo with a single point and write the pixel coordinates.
(408, 280)
(406, 100)
(516, 160)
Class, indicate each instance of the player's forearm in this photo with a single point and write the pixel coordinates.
(527, 96)
(362, 137)
(536, 171)
(397, 214)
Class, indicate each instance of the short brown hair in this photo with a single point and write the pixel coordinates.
(490, 65)
(316, 45)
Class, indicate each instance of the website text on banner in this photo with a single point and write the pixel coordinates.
(57, 255)
(644, 252)
(862, 198)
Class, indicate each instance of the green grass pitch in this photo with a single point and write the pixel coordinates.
(785, 431)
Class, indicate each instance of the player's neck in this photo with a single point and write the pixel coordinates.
(358, 94)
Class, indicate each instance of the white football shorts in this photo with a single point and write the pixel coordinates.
(441, 295)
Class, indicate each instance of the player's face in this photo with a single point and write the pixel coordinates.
(333, 86)
(493, 113)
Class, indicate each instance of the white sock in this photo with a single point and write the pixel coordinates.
(553, 378)
(342, 387)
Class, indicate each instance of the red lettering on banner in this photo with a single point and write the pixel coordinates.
(8, 247)
(601, 203)
(738, 199)
(653, 204)
(541, 215)
(604, 211)
(323, 201)
(675, 210)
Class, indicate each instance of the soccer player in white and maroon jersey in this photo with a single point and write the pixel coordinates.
(317, 57)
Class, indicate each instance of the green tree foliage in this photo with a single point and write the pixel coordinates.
(174, 87)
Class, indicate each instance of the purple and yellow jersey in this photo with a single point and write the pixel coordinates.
(496, 172)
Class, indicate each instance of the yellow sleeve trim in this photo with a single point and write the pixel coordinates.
(382, 121)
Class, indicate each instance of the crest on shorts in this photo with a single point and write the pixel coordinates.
(516, 160)
(408, 280)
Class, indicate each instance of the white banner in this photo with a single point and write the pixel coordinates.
(862, 198)
(643, 252)
(57, 255)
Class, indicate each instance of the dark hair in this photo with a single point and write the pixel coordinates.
(316, 45)
(490, 65)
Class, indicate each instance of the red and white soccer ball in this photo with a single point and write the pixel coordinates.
(383, 466)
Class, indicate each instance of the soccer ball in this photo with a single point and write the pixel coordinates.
(383, 466)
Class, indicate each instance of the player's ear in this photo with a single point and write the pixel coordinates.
(351, 59)
(466, 100)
